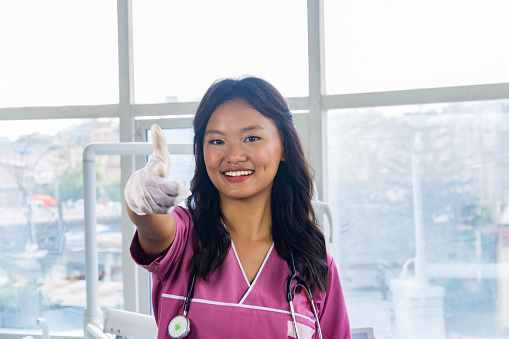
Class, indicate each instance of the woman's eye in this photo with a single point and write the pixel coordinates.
(252, 138)
(216, 142)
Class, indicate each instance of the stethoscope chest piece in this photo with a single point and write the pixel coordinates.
(179, 327)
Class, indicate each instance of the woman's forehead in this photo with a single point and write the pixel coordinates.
(234, 104)
(238, 115)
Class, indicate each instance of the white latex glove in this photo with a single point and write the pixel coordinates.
(148, 190)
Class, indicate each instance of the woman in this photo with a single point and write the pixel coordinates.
(248, 226)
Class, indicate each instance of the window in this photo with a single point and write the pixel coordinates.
(426, 179)
(52, 54)
(180, 48)
(42, 260)
(376, 46)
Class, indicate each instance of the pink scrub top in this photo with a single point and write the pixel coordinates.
(228, 306)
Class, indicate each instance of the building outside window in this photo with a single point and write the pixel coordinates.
(42, 266)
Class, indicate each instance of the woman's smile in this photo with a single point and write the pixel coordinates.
(237, 175)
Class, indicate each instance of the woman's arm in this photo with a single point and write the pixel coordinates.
(156, 232)
(150, 197)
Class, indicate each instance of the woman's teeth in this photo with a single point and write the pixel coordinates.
(237, 173)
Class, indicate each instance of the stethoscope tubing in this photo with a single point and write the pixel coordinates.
(190, 290)
(289, 296)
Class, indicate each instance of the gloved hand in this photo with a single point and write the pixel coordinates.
(148, 191)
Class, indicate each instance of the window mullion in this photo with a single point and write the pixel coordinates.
(417, 96)
(126, 100)
(317, 117)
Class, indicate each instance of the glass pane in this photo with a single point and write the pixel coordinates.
(393, 45)
(58, 52)
(181, 47)
(42, 258)
(421, 195)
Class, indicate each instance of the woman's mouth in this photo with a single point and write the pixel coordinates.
(238, 173)
(237, 176)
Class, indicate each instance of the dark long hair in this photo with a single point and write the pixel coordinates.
(294, 225)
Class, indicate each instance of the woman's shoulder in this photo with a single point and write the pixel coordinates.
(333, 269)
(330, 259)
(182, 215)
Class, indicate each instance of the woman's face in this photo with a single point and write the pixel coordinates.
(242, 150)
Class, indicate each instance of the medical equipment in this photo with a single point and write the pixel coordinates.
(129, 324)
(41, 322)
(289, 296)
(180, 326)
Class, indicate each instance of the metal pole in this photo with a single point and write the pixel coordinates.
(317, 115)
(92, 314)
(421, 275)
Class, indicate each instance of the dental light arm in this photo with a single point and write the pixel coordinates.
(322, 207)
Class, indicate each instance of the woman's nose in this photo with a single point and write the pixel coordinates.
(236, 153)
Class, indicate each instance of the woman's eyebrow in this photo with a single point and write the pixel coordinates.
(245, 129)
(251, 128)
(213, 131)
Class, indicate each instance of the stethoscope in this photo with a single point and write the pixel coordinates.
(180, 325)
(289, 296)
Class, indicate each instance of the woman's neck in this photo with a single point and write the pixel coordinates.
(247, 219)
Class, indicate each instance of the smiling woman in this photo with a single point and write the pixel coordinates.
(249, 232)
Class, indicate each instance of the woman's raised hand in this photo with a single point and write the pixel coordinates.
(148, 190)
